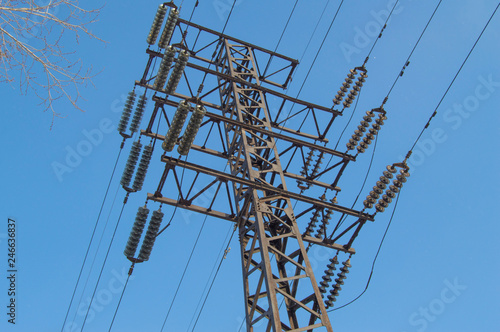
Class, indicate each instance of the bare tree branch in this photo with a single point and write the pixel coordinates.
(33, 39)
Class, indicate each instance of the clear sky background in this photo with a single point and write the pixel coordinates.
(438, 267)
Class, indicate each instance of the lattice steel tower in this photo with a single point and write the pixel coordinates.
(255, 164)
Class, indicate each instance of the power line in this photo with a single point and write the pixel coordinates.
(359, 94)
(97, 250)
(454, 78)
(213, 280)
(381, 31)
(221, 251)
(317, 53)
(104, 263)
(228, 17)
(374, 259)
(92, 237)
(312, 64)
(194, 8)
(279, 41)
(133, 264)
(345, 127)
(407, 62)
(121, 296)
(314, 31)
(187, 265)
(184, 272)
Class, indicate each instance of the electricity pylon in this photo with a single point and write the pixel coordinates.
(264, 156)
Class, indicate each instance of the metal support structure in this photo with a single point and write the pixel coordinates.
(267, 225)
(262, 152)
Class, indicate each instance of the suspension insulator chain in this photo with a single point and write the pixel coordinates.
(176, 126)
(191, 130)
(150, 237)
(139, 112)
(156, 25)
(327, 278)
(312, 223)
(131, 163)
(177, 72)
(165, 64)
(334, 292)
(127, 110)
(327, 215)
(376, 125)
(136, 233)
(168, 31)
(140, 175)
(304, 171)
(366, 134)
(381, 185)
(318, 163)
(358, 84)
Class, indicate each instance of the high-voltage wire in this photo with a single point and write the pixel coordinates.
(312, 64)
(454, 78)
(221, 251)
(194, 8)
(121, 297)
(407, 62)
(374, 259)
(137, 118)
(184, 273)
(399, 75)
(381, 31)
(228, 17)
(366, 60)
(317, 53)
(97, 250)
(279, 41)
(91, 238)
(359, 96)
(104, 263)
(213, 280)
(312, 35)
(190, 256)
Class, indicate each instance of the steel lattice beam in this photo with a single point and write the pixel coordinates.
(268, 226)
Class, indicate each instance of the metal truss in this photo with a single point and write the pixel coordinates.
(262, 153)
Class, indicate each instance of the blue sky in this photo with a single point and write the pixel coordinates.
(437, 269)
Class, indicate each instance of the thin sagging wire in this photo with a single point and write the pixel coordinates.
(454, 78)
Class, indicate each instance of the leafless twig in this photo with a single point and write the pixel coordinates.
(33, 41)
